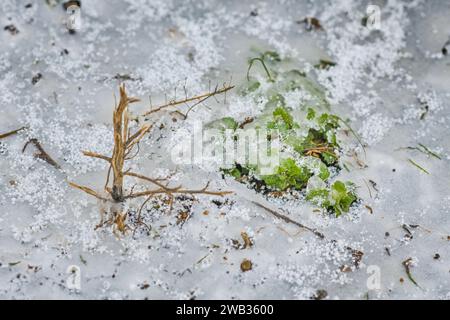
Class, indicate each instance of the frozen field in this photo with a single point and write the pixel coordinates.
(391, 83)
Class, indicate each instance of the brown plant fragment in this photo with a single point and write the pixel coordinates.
(369, 208)
(325, 64)
(320, 294)
(196, 100)
(311, 23)
(247, 241)
(10, 133)
(318, 150)
(345, 268)
(246, 121)
(407, 264)
(246, 265)
(68, 4)
(182, 217)
(289, 220)
(357, 256)
(41, 154)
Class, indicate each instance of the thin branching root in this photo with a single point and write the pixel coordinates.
(125, 144)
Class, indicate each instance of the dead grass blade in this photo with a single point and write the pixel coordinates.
(7, 134)
(418, 166)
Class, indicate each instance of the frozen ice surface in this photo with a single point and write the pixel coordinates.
(392, 83)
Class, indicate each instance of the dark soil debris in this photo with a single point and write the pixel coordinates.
(12, 29)
(36, 78)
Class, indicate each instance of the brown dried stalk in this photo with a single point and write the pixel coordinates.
(318, 150)
(289, 220)
(41, 154)
(124, 143)
(5, 135)
(246, 121)
(197, 99)
(87, 190)
(357, 255)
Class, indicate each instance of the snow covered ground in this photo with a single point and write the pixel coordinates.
(392, 83)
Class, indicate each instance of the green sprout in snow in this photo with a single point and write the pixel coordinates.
(288, 175)
(309, 142)
(338, 198)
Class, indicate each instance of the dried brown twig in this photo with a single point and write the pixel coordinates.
(318, 150)
(7, 134)
(196, 99)
(289, 220)
(356, 255)
(41, 154)
(124, 143)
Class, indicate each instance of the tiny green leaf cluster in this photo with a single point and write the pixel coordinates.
(288, 175)
(338, 198)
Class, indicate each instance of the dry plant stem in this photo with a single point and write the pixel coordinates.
(163, 190)
(154, 181)
(356, 254)
(87, 190)
(170, 191)
(318, 150)
(96, 155)
(5, 135)
(139, 219)
(199, 99)
(124, 142)
(246, 121)
(120, 123)
(41, 154)
(289, 220)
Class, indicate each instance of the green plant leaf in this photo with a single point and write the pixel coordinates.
(251, 86)
(319, 197)
(271, 56)
(342, 197)
(311, 114)
(230, 123)
(288, 175)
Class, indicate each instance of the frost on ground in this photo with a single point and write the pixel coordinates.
(392, 84)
